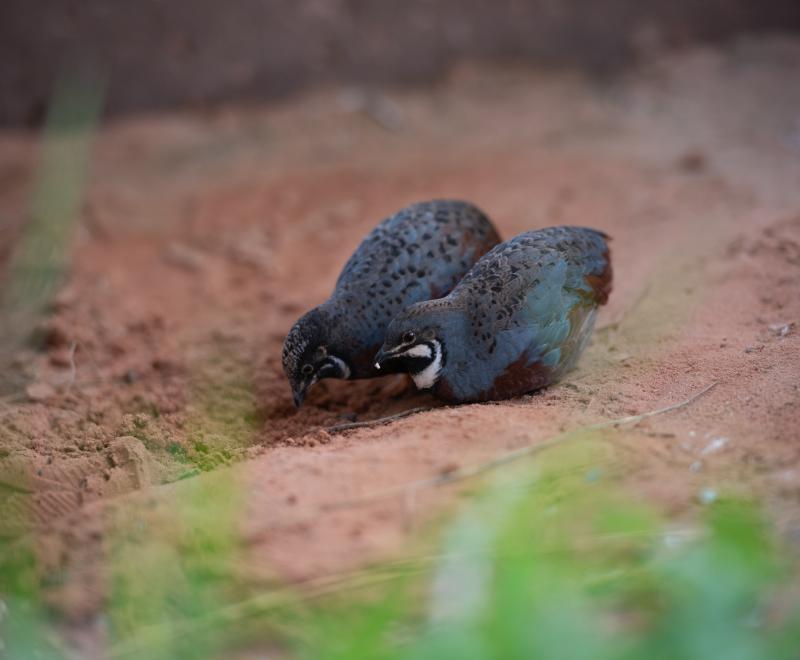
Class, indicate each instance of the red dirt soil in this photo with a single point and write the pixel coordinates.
(204, 237)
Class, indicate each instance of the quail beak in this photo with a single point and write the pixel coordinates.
(299, 391)
(298, 396)
(383, 357)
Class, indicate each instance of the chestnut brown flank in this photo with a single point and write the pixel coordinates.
(518, 378)
(444, 391)
(601, 284)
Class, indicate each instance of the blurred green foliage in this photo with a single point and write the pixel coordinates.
(24, 625)
(564, 566)
(172, 566)
(546, 560)
(29, 281)
(39, 260)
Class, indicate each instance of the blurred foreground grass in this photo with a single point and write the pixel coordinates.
(552, 563)
(39, 260)
(546, 560)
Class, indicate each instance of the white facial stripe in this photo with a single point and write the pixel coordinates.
(398, 350)
(420, 350)
(426, 378)
(342, 366)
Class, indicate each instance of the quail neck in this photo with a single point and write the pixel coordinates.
(419, 253)
(518, 320)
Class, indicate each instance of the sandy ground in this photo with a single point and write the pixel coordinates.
(203, 237)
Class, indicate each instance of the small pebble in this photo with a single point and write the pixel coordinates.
(61, 358)
(40, 391)
(130, 376)
(715, 445)
(448, 468)
(184, 257)
(781, 329)
(692, 162)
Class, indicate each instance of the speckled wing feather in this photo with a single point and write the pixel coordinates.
(420, 253)
(533, 299)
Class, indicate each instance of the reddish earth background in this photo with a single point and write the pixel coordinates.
(204, 236)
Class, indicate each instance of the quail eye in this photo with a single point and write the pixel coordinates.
(409, 337)
(307, 370)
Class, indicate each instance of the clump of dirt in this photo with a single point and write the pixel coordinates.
(196, 255)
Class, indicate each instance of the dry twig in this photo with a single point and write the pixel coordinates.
(338, 428)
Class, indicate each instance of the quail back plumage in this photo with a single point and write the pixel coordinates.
(419, 253)
(517, 321)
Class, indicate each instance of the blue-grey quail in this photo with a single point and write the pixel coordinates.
(517, 321)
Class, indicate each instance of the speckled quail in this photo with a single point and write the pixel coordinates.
(419, 253)
(517, 321)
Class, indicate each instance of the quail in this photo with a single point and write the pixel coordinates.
(419, 253)
(518, 321)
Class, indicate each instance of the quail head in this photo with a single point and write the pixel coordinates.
(419, 253)
(517, 321)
